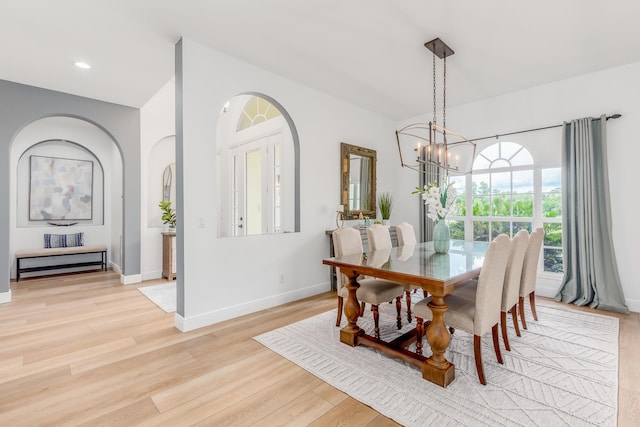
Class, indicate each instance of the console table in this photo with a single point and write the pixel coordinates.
(169, 255)
(365, 247)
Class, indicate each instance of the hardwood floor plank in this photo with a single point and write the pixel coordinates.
(128, 416)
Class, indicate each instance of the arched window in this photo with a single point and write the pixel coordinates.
(507, 193)
(255, 111)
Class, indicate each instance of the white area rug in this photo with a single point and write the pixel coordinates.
(164, 296)
(563, 371)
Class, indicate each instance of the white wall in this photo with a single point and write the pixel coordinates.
(29, 234)
(157, 134)
(615, 90)
(227, 277)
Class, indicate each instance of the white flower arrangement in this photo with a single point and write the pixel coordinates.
(438, 201)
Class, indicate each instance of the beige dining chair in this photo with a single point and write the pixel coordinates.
(511, 289)
(529, 273)
(379, 238)
(406, 234)
(479, 316)
(347, 241)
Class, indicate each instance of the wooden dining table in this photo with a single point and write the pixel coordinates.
(418, 265)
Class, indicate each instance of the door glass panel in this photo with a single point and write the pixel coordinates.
(253, 184)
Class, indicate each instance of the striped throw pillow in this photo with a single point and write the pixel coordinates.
(63, 240)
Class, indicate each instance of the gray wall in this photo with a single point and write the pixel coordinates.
(21, 104)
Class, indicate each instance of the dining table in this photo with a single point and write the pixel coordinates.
(436, 273)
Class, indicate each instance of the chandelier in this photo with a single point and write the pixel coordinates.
(434, 146)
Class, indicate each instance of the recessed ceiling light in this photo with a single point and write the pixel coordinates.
(82, 65)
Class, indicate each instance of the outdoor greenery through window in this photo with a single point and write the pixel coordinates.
(506, 194)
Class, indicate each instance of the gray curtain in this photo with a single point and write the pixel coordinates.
(590, 270)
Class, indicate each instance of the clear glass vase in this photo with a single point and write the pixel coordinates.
(441, 237)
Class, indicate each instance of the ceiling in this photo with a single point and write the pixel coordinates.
(367, 52)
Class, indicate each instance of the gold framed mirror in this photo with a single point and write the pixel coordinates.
(357, 181)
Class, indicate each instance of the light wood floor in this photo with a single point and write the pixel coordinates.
(82, 349)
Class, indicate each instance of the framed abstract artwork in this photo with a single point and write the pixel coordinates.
(60, 189)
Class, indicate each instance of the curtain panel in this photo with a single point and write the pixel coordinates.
(590, 270)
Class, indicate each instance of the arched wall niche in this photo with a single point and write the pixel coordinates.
(162, 156)
(74, 138)
(239, 138)
(60, 149)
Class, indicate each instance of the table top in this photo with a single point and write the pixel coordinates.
(418, 264)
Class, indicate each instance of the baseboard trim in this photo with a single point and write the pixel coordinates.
(5, 297)
(213, 317)
(151, 275)
(115, 267)
(131, 279)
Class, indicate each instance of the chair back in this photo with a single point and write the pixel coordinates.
(530, 264)
(490, 283)
(517, 250)
(346, 241)
(406, 235)
(379, 237)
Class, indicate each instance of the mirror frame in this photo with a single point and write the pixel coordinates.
(346, 150)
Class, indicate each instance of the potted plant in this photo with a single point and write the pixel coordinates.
(168, 214)
(385, 202)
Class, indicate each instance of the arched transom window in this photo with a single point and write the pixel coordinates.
(256, 110)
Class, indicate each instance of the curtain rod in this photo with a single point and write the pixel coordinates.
(496, 136)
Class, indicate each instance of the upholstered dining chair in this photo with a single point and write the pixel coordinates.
(406, 234)
(347, 241)
(529, 274)
(511, 289)
(379, 238)
(482, 314)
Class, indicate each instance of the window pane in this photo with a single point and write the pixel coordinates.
(551, 180)
(522, 158)
(500, 163)
(553, 234)
(553, 260)
(523, 206)
(481, 162)
(517, 226)
(552, 205)
(459, 207)
(492, 152)
(501, 205)
(481, 231)
(501, 182)
(500, 227)
(523, 181)
(457, 229)
(508, 149)
(481, 206)
(458, 183)
(480, 185)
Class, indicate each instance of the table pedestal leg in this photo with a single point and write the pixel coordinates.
(437, 368)
(349, 334)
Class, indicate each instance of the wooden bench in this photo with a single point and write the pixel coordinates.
(60, 252)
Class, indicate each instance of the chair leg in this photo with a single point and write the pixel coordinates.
(521, 307)
(419, 334)
(503, 323)
(340, 302)
(514, 315)
(408, 298)
(496, 343)
(477, 353)
(399, 309)
(376, 323)
(362, 307)
(532, 302)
